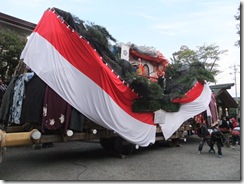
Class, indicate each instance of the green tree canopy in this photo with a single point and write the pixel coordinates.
(11, 46)
(208, 55)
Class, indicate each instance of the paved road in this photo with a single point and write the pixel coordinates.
(89, 161)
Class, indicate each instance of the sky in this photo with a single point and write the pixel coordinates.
(163, 24)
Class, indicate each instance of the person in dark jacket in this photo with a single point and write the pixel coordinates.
(216, 137)
(225, 129)
(224, 123)
(202, 132)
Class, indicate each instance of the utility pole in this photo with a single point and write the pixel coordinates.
(236, 99)
(235, 80)
(235, 71)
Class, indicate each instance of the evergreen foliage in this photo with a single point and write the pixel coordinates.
(146, 89)
(179, 79)
(142, 105)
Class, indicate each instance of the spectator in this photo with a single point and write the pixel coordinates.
(233, 122)
(224, 124)
(225, 129)
(229, 122)
(235, 135)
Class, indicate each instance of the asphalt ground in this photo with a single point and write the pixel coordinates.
(82, 161)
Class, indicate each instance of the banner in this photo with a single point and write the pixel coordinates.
(125, 51)
(67, 63)
(73, 69)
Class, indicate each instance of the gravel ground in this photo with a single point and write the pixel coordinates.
(83, 161)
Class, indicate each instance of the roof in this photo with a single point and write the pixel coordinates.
(226, 99)
(159, 59)
(16, 22)
(149, 54)
(222, 96)
(222, 86)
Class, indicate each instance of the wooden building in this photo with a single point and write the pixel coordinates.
(224, 100)
(21, 26)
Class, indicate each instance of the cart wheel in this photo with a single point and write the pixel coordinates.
(166, 143)
(107, 143)
(170, 144)
(117, 145)
(122, 146)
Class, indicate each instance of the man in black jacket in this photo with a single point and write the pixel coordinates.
(202, 132)
(218, 138)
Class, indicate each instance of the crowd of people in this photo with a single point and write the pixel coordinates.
(225, 130)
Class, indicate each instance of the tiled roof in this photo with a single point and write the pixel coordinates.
(16, 22)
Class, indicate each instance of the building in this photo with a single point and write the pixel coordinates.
(21, 26)
(224, 100)
(23, 29)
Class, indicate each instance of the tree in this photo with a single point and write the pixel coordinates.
(208, 55)
(184, 55)
(237, 17)
(11, 46)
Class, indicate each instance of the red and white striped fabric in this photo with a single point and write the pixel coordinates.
(75, 71)
(195, 101)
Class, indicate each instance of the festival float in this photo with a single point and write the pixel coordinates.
(71, 85)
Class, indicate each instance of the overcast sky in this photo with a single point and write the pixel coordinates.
(163, 24)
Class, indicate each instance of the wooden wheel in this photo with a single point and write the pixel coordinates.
(118, 145)
(107, 143)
